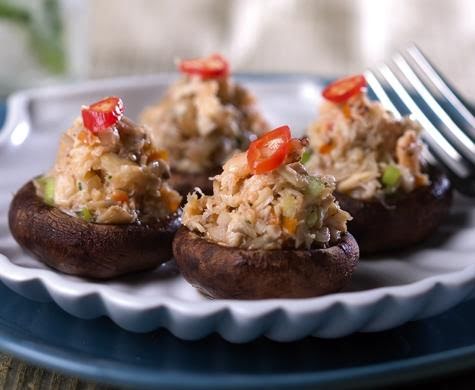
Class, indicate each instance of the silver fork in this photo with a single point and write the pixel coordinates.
(410, 84)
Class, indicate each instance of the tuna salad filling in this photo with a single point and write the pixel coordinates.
(109, 172)
(203, 119)
(369, 151)
(282, 208)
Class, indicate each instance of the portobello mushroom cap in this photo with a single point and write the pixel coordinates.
(74, 246)
(233, 273)
(186, 182)
(399, 221)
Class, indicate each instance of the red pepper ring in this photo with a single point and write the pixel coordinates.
(213, 66)
(103, 114)
(269, 151)
(341, 90)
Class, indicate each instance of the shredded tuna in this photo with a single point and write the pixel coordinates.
(203, 122)
(357, 140)
(284, 208)
(114, 177)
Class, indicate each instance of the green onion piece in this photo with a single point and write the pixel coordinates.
(306, 156)
(47, 185)
(86, 214)
(313, 218)
(315, 187)
(391, 177)
(80, 186)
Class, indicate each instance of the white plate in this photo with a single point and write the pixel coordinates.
(384, 292)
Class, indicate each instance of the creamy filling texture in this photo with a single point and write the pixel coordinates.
(203, 122)
(114, 177)
(282, 209)
(370, 152)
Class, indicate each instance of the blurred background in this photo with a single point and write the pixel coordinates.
(51, 41)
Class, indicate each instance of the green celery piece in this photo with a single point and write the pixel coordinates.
(391, 177)
(86, 214)
(312, 218)
(315, 187)
(306, 156)
(47, 185)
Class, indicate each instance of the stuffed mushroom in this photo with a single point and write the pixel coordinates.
(395, 198)
(105, 208)
(203, 119)
(270, 230)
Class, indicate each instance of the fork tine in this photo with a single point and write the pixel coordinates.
(381, 94)
(418, 57)
(466, 147)
(385, 100)
(445, 152)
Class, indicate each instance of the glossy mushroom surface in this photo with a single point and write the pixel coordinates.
(74, 246)
(399, 221)
(233, 273)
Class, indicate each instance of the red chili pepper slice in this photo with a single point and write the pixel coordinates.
(341, 90)
(102, 114)
(269, 151)
(214, 66)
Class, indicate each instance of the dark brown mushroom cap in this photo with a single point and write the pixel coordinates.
(73, 246)
(186, 182)
(400, 221)
(224, 272)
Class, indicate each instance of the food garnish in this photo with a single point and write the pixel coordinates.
(269, 151)
(213, 66)
(341, 90)
(102, 114)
